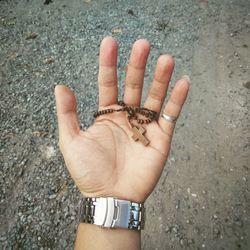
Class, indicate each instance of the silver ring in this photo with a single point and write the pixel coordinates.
(169, 118)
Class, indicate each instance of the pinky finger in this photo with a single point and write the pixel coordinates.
(174, 105)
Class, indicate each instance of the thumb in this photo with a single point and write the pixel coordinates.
(66, 114)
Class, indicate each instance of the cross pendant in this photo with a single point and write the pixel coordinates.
(138, 135)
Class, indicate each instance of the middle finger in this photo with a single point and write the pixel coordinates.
(135, 72)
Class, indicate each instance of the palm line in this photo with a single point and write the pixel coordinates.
(128, 136)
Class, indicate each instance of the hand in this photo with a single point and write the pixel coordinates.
(104, 160)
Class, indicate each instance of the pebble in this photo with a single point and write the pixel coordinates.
(190, 241)
(216, 231)
(167, 229)
(49, 60)
(247, 84)
(215, 216)
(181, 242)
(197, 230)
(3, 238)
(52, 196)
(31, 35)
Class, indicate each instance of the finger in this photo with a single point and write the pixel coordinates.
(174, 105)
(135, 72)
(107, 77)
(158, 90)
(66, 113)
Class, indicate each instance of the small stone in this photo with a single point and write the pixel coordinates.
(247, 84)
(177, 206)
(131, 12)
(175, 230)
(197, 230)
(215, 216)
(167, 229)
(48, 2)
(117, 30)
(190, 241)
(31, 35)
(181, 242)
(50, 152)
(172, 159)
(48, 60)
(3, 238)
(52, 196)
(216, 231)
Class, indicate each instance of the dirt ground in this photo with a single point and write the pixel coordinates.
(202, 199)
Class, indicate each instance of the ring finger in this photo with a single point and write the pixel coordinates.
(158, 90)
(174, 105)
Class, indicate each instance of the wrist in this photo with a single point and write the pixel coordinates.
(105, 239)
(130, 196)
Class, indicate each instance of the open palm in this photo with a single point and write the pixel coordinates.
(104, 160)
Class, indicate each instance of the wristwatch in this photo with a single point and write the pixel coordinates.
(109, 212)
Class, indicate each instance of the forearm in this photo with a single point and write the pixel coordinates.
(94, 237)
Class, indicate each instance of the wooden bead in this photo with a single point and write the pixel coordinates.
(133, 112)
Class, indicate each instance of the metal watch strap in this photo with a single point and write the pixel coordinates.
(113, 213)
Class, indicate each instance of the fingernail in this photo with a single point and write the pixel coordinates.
(186, 77)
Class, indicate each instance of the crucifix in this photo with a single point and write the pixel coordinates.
(138, 135)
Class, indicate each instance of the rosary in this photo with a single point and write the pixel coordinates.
(133, 112)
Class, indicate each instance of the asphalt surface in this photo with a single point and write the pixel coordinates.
(202, 198)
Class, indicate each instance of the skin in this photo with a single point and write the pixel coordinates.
(104, 160)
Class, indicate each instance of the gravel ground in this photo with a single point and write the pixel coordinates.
(202, 199)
